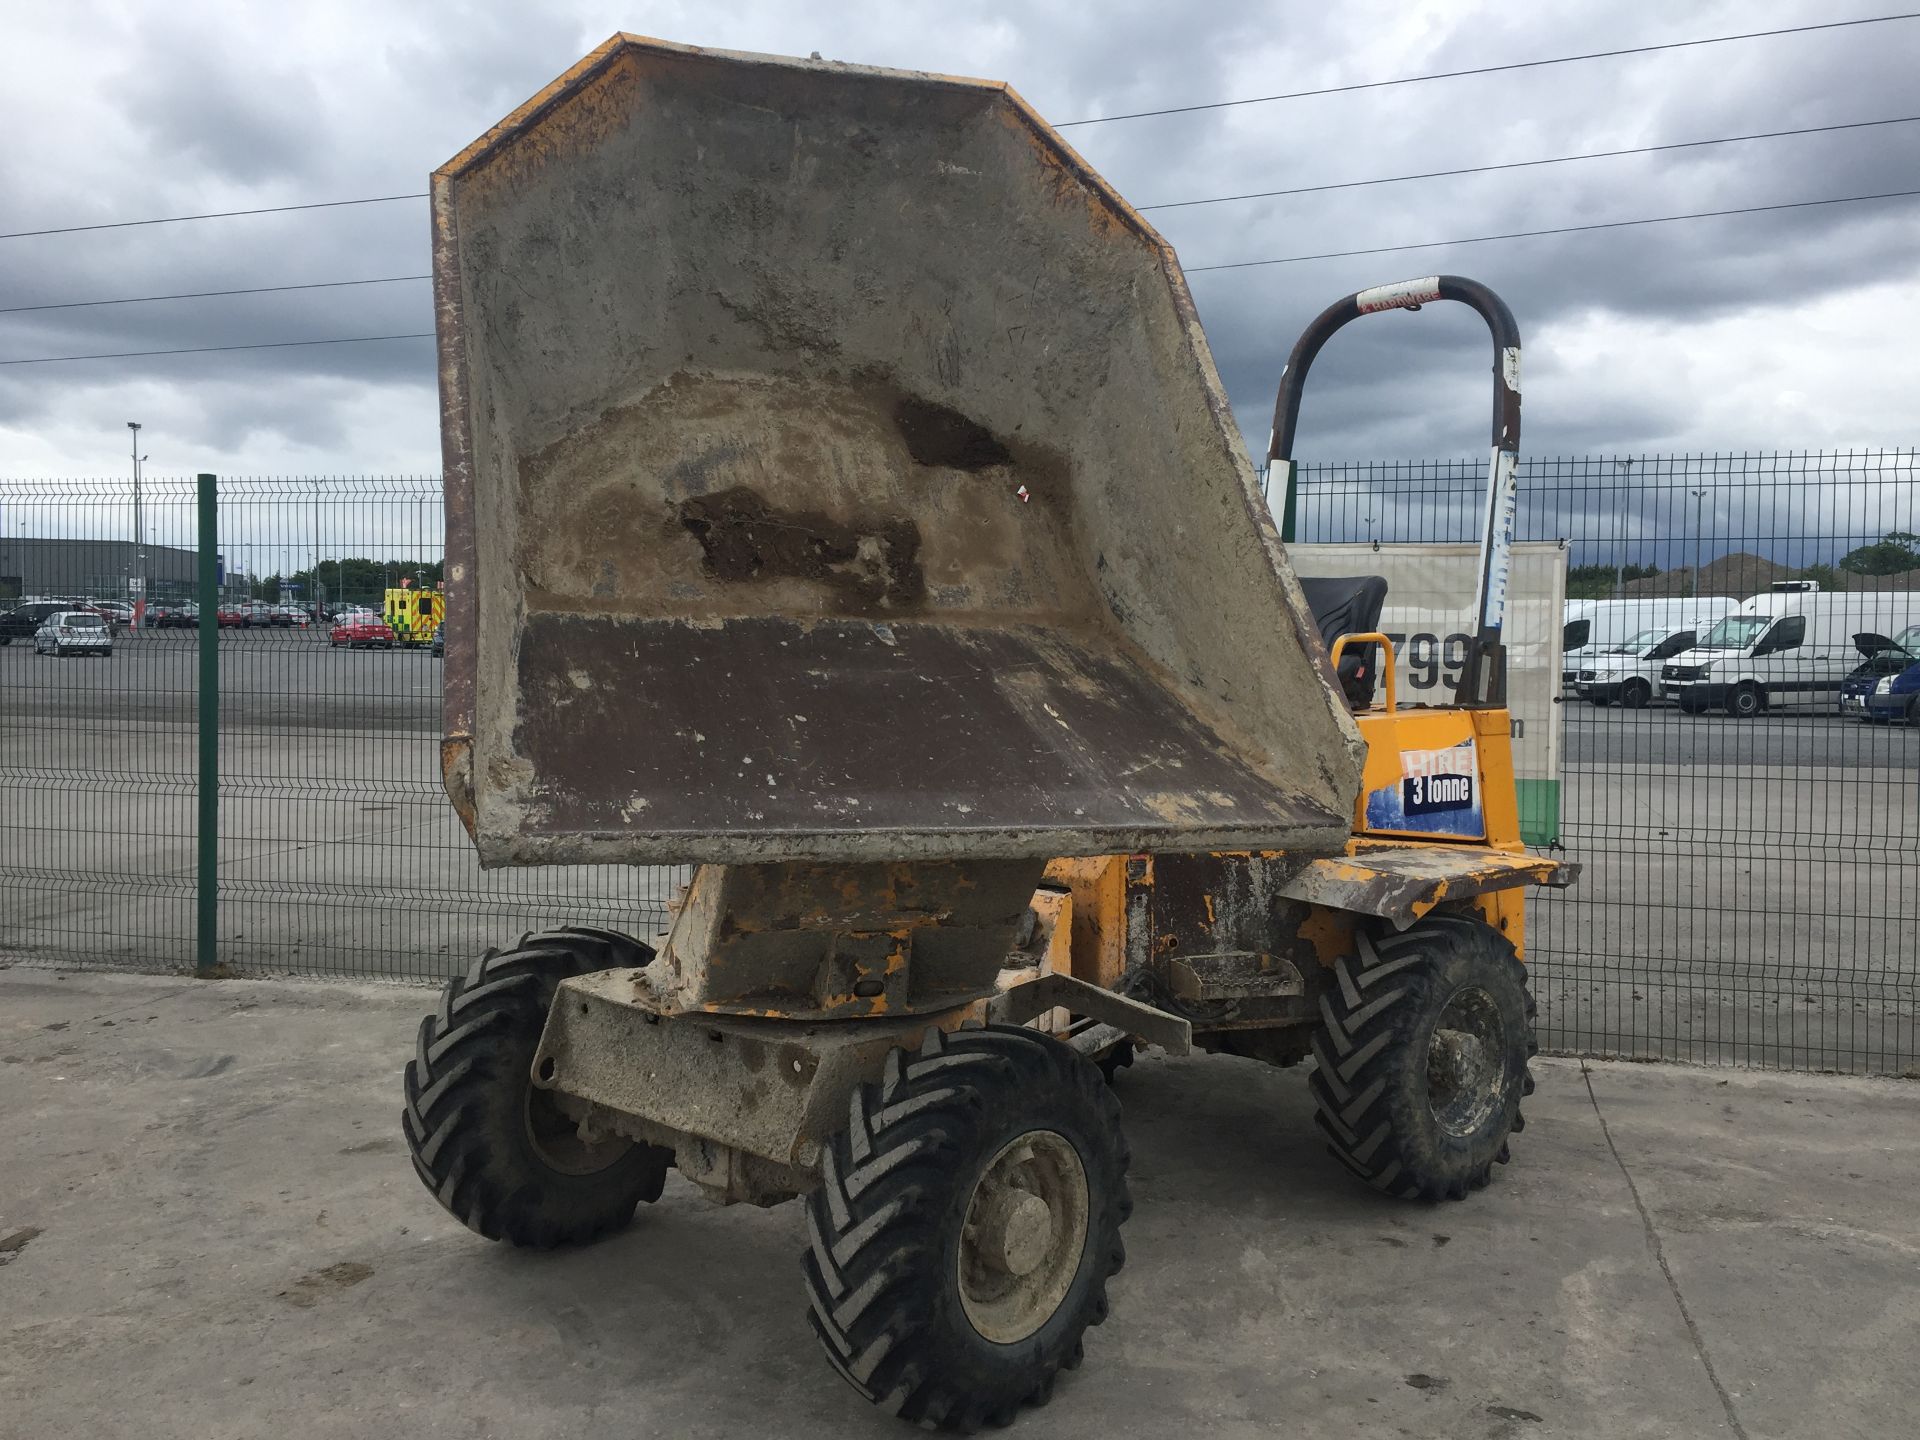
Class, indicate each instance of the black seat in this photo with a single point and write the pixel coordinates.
(1349, 605)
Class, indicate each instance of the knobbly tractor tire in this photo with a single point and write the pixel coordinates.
(496, 1151)
(966, 1226)
(1422, 1057)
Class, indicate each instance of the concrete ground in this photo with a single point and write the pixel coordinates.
(209, 1228)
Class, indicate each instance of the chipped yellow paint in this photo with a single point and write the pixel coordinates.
(1099, 920)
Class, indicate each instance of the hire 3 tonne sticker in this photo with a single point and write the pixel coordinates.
(1437, 793)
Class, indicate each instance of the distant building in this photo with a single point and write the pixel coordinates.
(100, 569)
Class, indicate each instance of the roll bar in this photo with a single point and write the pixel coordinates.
(1484, 681)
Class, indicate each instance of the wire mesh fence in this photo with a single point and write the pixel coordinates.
(1751, 891)
(1751, 884)
(338, 851)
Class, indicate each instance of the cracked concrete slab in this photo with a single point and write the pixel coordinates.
(230, 1238)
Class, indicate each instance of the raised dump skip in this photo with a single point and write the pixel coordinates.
(836, 470)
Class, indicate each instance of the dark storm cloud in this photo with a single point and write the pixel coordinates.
(208, 107)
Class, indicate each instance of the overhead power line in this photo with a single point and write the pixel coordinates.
(1096, 119)
(1555, 230)
(212, 349)
(1527, 164)
(1189, 269)
(213, 294)
(213, 215)
(1169, 205)
(1489, 69)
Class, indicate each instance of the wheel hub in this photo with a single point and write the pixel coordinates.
(1015, 1232)
(1465, 1076)
(558, 1139)
(1022, 1236)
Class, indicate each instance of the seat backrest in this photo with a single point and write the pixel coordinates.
(1349, 605)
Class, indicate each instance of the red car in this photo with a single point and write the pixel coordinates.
(232, 617)
(354, 631)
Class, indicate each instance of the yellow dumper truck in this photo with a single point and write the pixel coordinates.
(841, 499)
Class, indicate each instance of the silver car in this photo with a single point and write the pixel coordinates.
(73, 632)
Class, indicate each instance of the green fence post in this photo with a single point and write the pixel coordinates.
(206, 939)
(1289, 496)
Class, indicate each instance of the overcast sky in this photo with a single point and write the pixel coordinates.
(1790, 329)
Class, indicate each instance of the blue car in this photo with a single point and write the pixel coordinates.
(1887, 685)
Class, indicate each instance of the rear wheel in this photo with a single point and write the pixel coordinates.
(966, 1226)
(497, 1151)
(1422, 1052)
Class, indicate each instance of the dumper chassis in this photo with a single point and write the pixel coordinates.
(841, 500)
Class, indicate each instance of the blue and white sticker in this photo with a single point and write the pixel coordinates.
(1438, 793)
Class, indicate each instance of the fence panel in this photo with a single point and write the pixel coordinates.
(339, 853)
(1751, 891)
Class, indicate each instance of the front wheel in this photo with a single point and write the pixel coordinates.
(494, 1149)
(1745, 701)
(966, 1226)
(1635, 694)
(1421, 1057)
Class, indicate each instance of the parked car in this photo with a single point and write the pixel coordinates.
(24, 621)
(438, 647)
(1630, 673)
(1886, 685)
(1784, 649)
(364, 629)
(175, 617)
(73, 632)
(259, 614)
(231, 617)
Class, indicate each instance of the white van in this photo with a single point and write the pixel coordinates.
(1594, 626)
(1629, 673)
(1781, 651)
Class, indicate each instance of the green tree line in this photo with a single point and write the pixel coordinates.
(352, 580)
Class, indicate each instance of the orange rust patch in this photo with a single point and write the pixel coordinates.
(1330, 932)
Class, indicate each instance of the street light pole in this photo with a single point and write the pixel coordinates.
(139, 523)
(1622, 468)
(1698, 497)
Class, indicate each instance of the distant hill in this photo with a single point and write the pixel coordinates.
(1739, 576)
(1735, 576)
